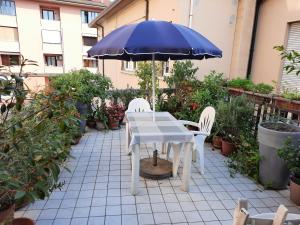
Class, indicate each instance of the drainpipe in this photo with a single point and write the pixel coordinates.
(147, 10)
(102, 36)
(253, 37)
(191, 13)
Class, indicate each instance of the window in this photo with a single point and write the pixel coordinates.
(48, 14)
(166, 68)
(10, 60)
(7, 7)
(53, 60)
(87, 16)
(92, 63)
(51, 36)
(89, 41)
(129, 66)
(9, 34)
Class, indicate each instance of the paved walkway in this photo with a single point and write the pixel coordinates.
(97, 191)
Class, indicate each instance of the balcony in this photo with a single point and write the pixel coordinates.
(54, 69)
(7, 46)
(8, 21)
(87, 31)
(85, 49)
(52, 48)
(50, 25)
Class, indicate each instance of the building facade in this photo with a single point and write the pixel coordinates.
(245, 30)
(53, 33)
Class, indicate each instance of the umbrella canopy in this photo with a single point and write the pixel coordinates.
(161, 39)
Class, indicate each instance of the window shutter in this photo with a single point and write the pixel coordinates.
(291, 81)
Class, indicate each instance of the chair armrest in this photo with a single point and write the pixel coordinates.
(200, 133)
(186, 122)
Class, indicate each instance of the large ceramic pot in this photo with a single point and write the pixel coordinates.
(227, 148)
(7, 215)
(22, 221)
(273, 172)
(295, 190)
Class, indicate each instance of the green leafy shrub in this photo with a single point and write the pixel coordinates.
(292, 57)
(35, 138)
(245, 159)
(248, 85)
(292, 95)
(244, 84)
(290, 153)
(263, 88)
(182, 72)
(144, 74)
(235, 118)
(82, 84)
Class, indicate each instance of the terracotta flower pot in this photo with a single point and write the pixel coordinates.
(91, 123)
(295, 192)
(22, 221)
(113, 124)
(217, 142)
(227, 148)
(100, 125)
(7, 215)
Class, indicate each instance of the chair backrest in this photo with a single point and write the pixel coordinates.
(139, 105)
(207, 119)
(240, 214)
(280, 215)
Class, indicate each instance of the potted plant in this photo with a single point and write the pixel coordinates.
(84, 86)
(234, 118)
(114, 113)
(101, 118)
(7, 206)
(90, 120)
(290, 153)
(273, 171)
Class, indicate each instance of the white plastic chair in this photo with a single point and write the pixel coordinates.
(240, 215)
(280, 215)
(136, 105)
(205, 124)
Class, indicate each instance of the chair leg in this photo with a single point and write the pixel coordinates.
(127, 138)
(176, 158)
(194, 156)
(201, 157)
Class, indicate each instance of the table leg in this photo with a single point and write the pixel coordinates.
(188, 148)
(176, 158)
(135, 171)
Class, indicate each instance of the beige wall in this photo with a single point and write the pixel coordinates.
(272, 30)
(215, 19)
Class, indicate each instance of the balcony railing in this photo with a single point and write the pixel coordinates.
(7, 7)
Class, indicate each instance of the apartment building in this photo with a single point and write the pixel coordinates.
(245, 30)
(54, 33)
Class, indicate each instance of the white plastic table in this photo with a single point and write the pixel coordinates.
(165, 128)
(267, 219)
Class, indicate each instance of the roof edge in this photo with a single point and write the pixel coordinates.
(93, 23)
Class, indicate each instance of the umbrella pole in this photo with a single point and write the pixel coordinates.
(153, 106)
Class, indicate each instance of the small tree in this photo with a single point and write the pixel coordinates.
(144, 73)
(182, 71)
(292, 57)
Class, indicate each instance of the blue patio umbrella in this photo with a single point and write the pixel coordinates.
(154, 40)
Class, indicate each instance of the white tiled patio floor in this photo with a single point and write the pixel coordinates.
(97, 191)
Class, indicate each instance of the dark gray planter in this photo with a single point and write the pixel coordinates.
(82, 108)
(273, 172)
